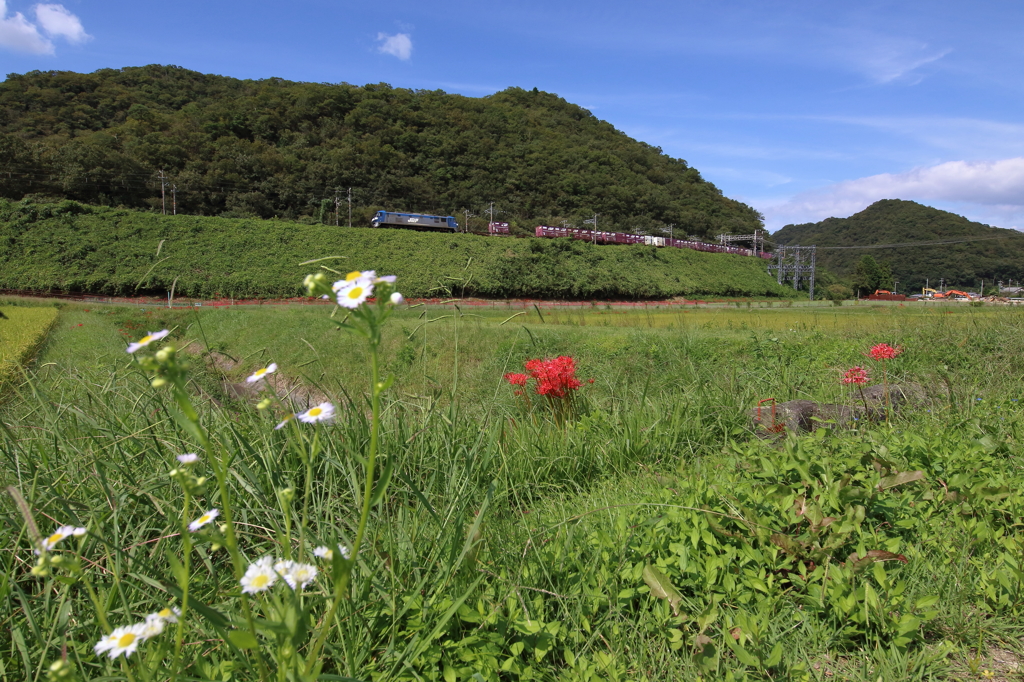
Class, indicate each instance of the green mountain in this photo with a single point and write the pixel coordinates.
(979, 252)
(274, 148)
(71, 247)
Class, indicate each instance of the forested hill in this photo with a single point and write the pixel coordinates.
(992, 253)
(275, 148)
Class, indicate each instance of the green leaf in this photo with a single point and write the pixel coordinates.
(899, 479)
(382, 482)
(742, 655)
(775, 657)
(243, 639)
(662, 588)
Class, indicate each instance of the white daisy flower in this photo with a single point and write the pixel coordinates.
(261, 373)
(147, 339)
(397, 299)
(169, 614)
(48, 543)
(355, 294)
(284, 421)
(188, 458)
(299, 576)
(354, 276)
(321, 413)
(327, 554)
(390, 279)
(259, 576)
(123, 640)
(203, 520)
(153, 626)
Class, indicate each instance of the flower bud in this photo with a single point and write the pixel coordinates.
(158, 382)
(223, 528)
(60, 670)
(214, 547)
(397, 298)
(174, 472)
(263, 404)
(287, 495)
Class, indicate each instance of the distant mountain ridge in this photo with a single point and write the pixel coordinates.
(993, 254)
(275, 148)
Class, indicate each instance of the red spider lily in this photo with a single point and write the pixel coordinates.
(884, 351)
(554, 377)
(516, 379)
(856, 375)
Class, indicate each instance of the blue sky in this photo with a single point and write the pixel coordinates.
(803, 109)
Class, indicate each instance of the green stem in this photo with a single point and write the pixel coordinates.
(186, 540)
(371, 457)
(341, 587)
(230, 539)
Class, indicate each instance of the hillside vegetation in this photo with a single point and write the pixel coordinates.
(71, 247)
(274, 148)
(993, 254)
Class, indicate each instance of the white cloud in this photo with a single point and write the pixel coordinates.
(398, 45)
(883, 58)
(992, 189)
(20, 35)
(56, 20)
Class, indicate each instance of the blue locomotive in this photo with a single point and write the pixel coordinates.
(415, 221)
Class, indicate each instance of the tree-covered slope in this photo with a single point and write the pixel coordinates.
(272, 147)
(70, 247)
(991, 253)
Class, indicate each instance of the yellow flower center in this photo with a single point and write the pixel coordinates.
(204, 518)
(261, 372)
(165, 613)
(126, 639)
(146, 339)
(55, 538)
(355, 292)
(260, 580)
(355, 274)
(315, 412)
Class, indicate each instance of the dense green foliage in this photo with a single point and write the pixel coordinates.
(869, 276)
(276, 148)
(992, 254)
(71, 247)
(653, 539)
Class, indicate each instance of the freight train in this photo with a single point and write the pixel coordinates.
(422, 221)
(626, 238)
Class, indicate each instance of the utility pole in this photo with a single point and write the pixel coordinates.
(163, 195)
(350, 207)
(174, 200)
(468, 216)
(670, 231)
(492, 212)
(337, 204)
(592, 221)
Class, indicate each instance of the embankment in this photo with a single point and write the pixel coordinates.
(70, 247)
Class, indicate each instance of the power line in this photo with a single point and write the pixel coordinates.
(929, 243)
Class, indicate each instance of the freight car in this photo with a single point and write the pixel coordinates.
(415, 221)
(625, 238)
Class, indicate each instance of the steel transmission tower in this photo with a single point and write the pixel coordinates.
(793, 263)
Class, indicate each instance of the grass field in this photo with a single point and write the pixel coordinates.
(648, 537)
(22, 330)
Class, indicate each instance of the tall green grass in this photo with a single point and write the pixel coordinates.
(510, 548)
